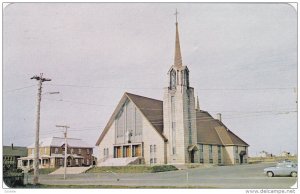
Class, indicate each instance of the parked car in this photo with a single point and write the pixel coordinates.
(282, 169)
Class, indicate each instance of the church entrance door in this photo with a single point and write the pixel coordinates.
(192, 156)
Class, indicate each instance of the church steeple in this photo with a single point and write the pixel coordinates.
(177, 58)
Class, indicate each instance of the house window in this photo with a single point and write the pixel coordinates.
(56, 151)
(88, 162)
(32, 151)
(79, 151)
(76, 161)
(72, 151)
(87, 151)
(210, 154)
(201, 153)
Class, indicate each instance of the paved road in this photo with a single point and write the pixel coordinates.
(243, 177)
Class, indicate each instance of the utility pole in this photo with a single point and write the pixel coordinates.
(66, 147)
(40, 79)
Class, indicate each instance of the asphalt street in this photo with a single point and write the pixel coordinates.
(248, 176)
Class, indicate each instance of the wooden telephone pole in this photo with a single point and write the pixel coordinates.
(40, 79)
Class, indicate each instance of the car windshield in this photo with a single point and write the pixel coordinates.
(286, 165)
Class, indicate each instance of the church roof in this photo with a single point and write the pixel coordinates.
(209, 130)
(151, 109)
(213, 131)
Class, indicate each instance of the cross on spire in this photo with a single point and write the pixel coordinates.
(176, 14)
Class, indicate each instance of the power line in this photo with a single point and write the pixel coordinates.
(76, 102)
(20, 88)
(212, 89)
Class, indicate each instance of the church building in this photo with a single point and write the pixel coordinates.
(143, 130)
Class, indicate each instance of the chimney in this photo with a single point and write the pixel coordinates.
(219, 116)
(12, 146)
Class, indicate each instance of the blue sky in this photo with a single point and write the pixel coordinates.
(242, 58)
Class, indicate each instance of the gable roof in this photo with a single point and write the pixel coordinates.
(59, 141)
(213, 131)
(15, 151)
(151, 109)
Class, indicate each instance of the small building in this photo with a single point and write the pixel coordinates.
(264, 154)
(52, 153)
(11, 154)
(285, 154)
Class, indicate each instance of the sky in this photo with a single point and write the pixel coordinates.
(242, 60)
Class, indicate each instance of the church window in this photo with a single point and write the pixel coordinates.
(128, 123)
(120, 122)
(201, 153)
(138, 122)
(236, 155)
(210, 154)
(152, 154)
(219, 154)
(173, 79)
(173, 125)
(186, 78)
(105, 153)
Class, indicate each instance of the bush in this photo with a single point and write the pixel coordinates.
(132, 169)
(163, 168)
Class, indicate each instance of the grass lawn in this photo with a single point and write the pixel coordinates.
(45, 170)
(132, 169)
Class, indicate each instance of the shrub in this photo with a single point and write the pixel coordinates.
(163, 168)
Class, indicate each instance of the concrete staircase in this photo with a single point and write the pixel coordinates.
(71, 170)
(120, 161)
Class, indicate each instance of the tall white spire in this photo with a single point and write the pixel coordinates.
(177, 57)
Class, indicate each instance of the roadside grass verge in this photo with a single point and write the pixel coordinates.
(132, 169)
(256, 160)
(42, 186)
(45, 170)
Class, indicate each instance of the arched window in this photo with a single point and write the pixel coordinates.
(173, 79)
(186, 78)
